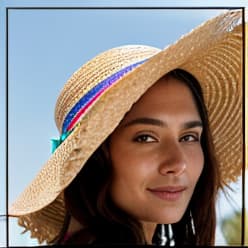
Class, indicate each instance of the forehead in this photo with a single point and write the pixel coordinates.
(167, 96)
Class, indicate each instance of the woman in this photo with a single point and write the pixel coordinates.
(133, 149)
(138, 162)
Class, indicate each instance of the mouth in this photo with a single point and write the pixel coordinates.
(168, 193)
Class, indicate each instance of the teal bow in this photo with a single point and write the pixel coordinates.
(57, 142)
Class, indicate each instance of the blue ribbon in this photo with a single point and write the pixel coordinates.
(103, 85)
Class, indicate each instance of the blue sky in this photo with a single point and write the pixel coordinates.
(46, 47)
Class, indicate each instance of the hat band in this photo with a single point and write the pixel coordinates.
(89, 98)
(57, 142)
(86, 101)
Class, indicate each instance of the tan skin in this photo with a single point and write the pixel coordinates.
(156, 156)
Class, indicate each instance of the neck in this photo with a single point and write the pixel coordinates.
(149, 229)
(74, 226)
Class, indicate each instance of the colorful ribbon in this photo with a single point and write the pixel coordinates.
(79, 109)
(57, 142)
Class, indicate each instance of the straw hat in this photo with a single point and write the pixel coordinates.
(97, 96)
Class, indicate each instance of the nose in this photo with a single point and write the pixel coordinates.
(172, 159)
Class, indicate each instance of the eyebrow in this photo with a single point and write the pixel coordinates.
(160, 123)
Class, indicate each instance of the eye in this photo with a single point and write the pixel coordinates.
(145, 138)
(189, 138)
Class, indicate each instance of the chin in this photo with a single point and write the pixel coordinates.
(168, 219)
(171, 218)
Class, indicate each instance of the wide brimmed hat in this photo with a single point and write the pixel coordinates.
(98, 95)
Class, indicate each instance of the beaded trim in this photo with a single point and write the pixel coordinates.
(90, 97)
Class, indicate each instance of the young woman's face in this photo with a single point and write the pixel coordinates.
(156, 154)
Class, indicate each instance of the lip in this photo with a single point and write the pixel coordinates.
(168, 193)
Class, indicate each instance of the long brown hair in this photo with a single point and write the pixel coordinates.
(88, 200)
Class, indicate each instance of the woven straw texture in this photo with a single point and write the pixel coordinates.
(212, 53)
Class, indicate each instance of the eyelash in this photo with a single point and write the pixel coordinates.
(194, 136)
(142, 138)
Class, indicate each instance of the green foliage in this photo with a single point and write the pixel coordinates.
(231, 227)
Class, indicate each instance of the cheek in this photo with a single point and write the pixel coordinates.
(128, 161)
(195, 163)
(124, 184)
(130, 174)
(129, 170)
